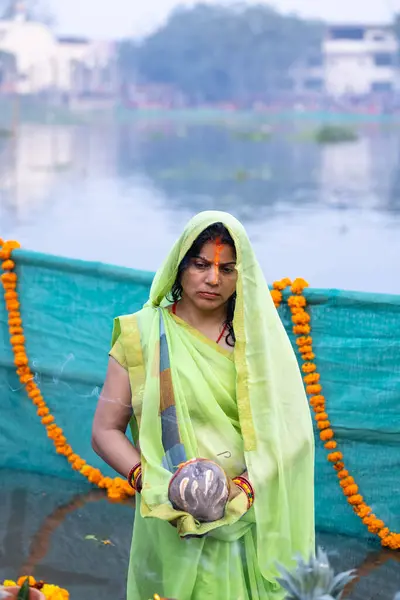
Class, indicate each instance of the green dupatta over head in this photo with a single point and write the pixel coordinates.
(275, 440)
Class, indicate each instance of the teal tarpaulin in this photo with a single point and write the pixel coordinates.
(68, 307)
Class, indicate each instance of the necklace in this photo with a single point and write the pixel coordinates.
(221, 335)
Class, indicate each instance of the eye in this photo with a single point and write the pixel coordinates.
(228, 270)
(200, 265)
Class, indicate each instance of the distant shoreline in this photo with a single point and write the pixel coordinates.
(32, 112)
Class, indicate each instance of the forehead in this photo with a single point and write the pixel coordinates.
(225, 252)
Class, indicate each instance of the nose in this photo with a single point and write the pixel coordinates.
(213, 275)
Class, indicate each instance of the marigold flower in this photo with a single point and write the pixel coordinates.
(282, 284)
(308, 367)
(48, 419)
(384, 532)
(330, 445)
(338, 466)
(304, 351)
(11, 295)
(326, 434)
(317, 400)
(52, 592)
(276, 296)
(18, 349)
(314, 389)
(301, 318)
(335, 457)
(299, 285)
(321, 416)
(31, 580)
(312, 378)
(346, 481)
(301, 329)
(363, 510)
(350, 490)
(357, 499)
(297, 302)
(15, 322)
(20, 359)
(7, 277)
(8, 265)
(304, 340)
(14, 306)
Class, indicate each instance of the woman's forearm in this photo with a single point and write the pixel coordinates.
(116, 450)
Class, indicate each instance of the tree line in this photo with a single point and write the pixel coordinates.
(214, 53)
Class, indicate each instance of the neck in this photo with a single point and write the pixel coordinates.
(196, 317)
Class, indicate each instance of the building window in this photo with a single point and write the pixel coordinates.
(315, 61)
(381, 86)
(347, 33)
(314, 83)
(286, 83)
(384, 59)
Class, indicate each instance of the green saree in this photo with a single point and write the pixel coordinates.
(245, 410)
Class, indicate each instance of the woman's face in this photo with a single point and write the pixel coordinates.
(210, 279)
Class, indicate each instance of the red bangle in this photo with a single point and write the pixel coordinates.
(133, 476)
(247, 488)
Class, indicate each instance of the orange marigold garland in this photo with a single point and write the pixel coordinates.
(117, 488)
(302, 329)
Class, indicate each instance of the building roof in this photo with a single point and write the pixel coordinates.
(73, 40)
(346, 25)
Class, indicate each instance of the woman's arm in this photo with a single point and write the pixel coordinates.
(111, 419)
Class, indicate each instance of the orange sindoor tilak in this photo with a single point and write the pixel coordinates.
(217, 256)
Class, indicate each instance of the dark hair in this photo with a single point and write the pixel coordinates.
(212, 233)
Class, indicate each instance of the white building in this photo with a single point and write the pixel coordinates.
(360, 60)
(44, 63)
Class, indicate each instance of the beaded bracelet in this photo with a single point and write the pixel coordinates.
(134, 476)
(247, 488)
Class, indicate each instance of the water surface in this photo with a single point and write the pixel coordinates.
(121, 193)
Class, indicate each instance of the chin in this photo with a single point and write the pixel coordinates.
(208, 303)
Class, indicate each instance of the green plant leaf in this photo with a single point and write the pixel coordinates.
(23, 593)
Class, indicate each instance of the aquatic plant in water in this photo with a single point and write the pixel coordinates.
(314, 580)
(333, 134)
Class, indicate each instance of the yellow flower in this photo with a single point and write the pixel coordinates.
(52, 592)
(9, 583)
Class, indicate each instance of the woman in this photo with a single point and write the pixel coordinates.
(209, 372)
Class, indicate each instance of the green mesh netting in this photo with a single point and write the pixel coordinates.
(67, 308)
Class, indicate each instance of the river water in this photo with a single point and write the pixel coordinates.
(121, 193)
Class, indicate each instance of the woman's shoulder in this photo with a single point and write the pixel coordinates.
(144, 314)
(140, 322)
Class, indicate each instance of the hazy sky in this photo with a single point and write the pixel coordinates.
(117, 18)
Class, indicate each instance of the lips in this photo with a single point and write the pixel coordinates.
(210, 295)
